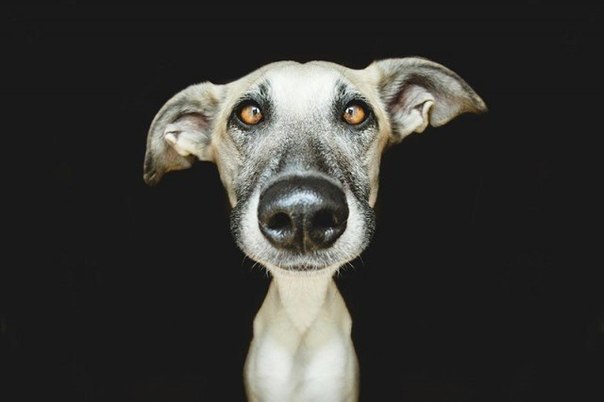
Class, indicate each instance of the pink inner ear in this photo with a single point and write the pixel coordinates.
(411, 97)
(191, 122)
(191, 128)
(410, 110)
(189, 135)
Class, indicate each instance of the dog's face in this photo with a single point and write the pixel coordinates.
(298, 149)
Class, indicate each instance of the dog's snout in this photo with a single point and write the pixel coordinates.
(302, 213)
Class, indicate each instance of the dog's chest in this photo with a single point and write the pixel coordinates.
(320, 366)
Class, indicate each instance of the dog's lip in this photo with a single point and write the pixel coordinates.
(296, 266)
(304, 268)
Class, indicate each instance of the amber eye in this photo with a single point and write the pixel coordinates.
(251, 114)
(354, 114)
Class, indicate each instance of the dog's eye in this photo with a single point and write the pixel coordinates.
(354, 114)
(250, 114)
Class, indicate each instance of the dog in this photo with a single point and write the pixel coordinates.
(298, 149)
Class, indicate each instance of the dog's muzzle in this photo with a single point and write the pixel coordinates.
(302, 213)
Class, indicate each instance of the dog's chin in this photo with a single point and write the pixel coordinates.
(301, 268)
(283, 262)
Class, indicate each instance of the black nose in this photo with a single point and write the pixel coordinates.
(302, 213)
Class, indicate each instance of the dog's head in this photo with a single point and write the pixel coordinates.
(298, 149)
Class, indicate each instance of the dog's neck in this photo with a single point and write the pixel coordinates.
(303, 297)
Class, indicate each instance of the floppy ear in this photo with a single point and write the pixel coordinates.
(418, 92)
(181, 132)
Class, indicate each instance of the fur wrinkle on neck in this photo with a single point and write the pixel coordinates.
(303, 297)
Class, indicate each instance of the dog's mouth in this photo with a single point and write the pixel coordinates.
(302, 224)
(300, 262)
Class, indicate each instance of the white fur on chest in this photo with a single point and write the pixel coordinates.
(302, 350)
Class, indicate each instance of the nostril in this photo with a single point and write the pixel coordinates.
(279, 222)
(280, 229)
(325, 226)
(324, 219)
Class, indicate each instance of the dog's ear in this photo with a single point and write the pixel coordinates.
(418, 92)
(181, 132)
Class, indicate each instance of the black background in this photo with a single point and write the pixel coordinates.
(481, 283)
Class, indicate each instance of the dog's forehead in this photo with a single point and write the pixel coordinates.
(300, 78)
(297, 87)
(302, 88)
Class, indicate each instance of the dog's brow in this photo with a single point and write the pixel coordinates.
(341, 89)
(259, 93)
(344, 93)
(260, 90)
(264, 89)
